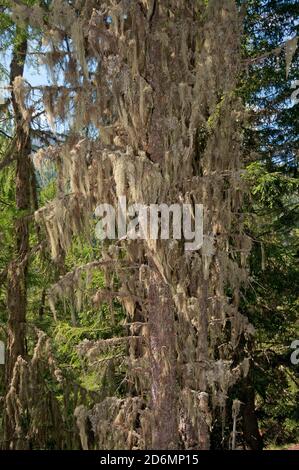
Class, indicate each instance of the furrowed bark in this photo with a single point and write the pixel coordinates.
(163, 365)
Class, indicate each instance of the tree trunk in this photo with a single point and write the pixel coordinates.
(163, 365)
(251, 432)
(17, 272)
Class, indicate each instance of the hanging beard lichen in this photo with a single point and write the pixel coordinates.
(33, 410)
(163, 98)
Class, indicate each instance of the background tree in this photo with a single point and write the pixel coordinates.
(271, 30)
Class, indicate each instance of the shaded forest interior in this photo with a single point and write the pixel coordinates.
(137, 342)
